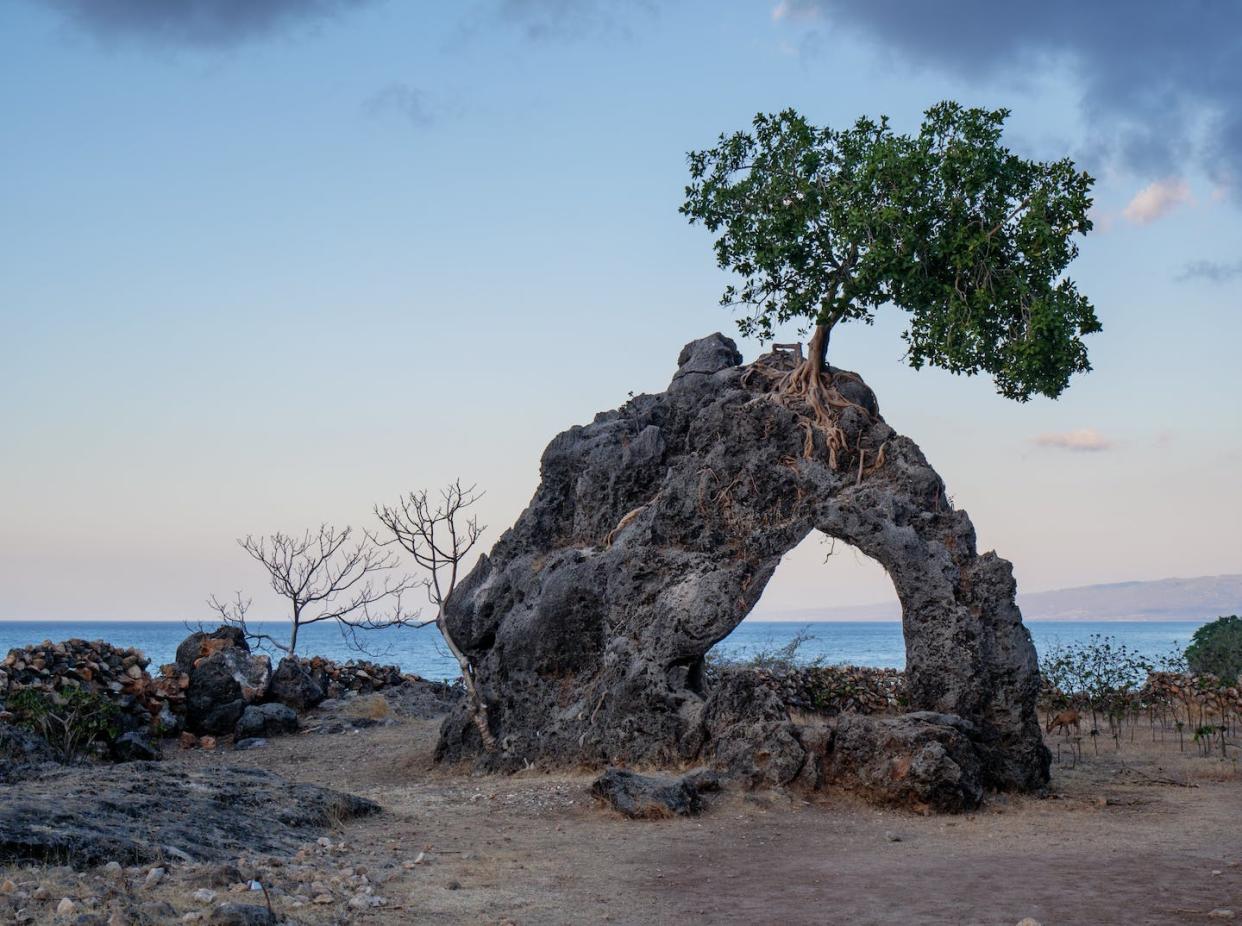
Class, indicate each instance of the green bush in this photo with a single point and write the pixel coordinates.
(71, 721)
(1217, 648)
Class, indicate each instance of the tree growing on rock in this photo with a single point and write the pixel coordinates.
(325, 576)
(825, 226)
(439, 534)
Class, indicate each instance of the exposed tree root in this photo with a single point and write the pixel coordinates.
(806, 389)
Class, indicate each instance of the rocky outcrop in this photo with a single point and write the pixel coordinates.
(653, 533)
(653, 797)
(141, 812)
(224, 677)
(294, 686)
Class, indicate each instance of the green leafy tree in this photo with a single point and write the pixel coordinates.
(824, 226)
(1217, 648)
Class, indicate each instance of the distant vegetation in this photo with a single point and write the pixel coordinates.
(1216, 648)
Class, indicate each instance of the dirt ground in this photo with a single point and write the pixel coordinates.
(1145, 836)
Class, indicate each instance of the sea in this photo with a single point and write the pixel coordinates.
(422, 652)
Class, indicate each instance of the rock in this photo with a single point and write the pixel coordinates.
(923, 761)
(156, 911)
(266, 720)
(154, 877)
(204, 895)
(187, 740)
(221, 685)
(66, 907)
(136, 745)
(253, 742)
(647, 797)
(22, 753)
(652, 535)
(1221, 913)
(241, 914)
(143, 811)
(203, 643)
(7, 886)
(1028, 921)
(293, 686)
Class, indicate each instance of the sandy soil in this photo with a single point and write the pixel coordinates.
(1111, 845)
(1116, 842)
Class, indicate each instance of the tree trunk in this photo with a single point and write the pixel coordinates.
(293, 637)
(818, 349)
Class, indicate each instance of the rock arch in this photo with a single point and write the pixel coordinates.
(653, 533)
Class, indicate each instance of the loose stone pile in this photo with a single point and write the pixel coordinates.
(100, 668)
(833, 690)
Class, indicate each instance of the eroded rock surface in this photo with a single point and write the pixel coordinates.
(137, 812)
(653, 533)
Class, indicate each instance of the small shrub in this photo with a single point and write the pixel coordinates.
(1216, 648)
(71, 721)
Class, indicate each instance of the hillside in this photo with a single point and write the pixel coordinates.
(1200, 598)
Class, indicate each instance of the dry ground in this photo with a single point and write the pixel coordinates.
(1117, 842)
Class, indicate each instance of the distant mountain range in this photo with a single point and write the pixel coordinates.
(1202, 598)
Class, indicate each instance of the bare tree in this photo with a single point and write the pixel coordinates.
(439, 534)
(325, 576)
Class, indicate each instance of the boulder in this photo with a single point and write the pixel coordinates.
(204, 643)
(264, 720)
(293, 685)
(146, 811)
(651, 797)
(221, 685)
(922, 761)
(652, 534)
(136, 745)
(231, 913)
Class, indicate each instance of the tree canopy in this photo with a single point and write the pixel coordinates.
(1217, 648)
(824, 226)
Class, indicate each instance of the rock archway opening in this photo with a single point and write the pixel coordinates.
(827, 603)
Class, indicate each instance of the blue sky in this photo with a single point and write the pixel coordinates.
(265, 264)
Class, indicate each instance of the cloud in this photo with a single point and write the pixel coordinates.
(1211, 270)
(569, 19)
(196, 23)
(1156, 200)
(402, 99)
(1083, 440)
(1160, 82)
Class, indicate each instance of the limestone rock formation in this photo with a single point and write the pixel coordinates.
(89, 815)
(653, 533)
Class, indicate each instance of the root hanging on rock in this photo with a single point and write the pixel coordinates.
(806, 388)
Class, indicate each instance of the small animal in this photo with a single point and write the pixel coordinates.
(1063, 721)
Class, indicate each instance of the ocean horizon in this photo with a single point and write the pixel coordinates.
(420, 651)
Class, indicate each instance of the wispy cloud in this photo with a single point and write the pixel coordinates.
(195, 23)
(1156, 200)
(1213, 271)
(400, 98)
(1082, 440)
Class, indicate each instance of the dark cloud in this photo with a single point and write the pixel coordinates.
(1211, 270)
(400, 98)
(199, 23)
(1161, 81)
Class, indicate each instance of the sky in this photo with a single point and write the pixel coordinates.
(265, 263)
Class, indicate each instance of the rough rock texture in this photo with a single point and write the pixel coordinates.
(21, 753)
(266, 720)
(652, 797)
(139, 812)
(653, 533)
(221, 685)
(293, 686)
